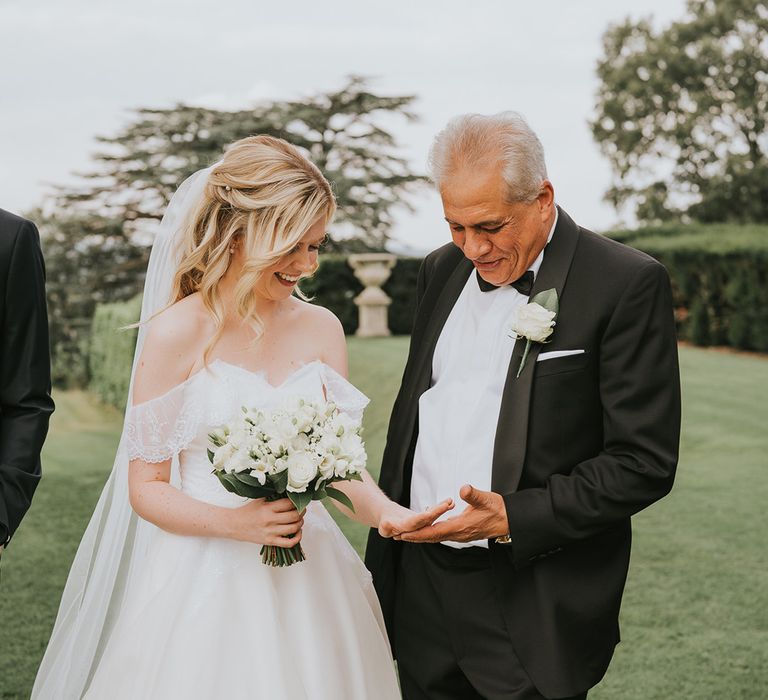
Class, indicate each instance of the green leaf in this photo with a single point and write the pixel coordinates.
(548, 299)
(234, 485)
(280, 481)
(227, 482)
(255, 489)
(210, 456)
(246, 478)
(224, 482)
(300, 500)
(339, 496)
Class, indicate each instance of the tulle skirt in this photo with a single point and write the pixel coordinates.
(207, 620)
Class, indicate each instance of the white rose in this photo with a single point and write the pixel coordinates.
(302, 468)
(533, 322)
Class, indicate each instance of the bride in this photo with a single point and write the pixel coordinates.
(176, 603)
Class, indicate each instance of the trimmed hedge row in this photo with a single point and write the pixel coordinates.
(719, 281)
(719, 278)
(111, 350)
(335, 286)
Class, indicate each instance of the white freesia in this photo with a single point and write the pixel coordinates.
(259, 471)
(281, 428)
(329, 443)
(534, 322)
(341, 467)
(240, 461)
(222, 455)
(302, 468)
(352, 449)
(344, 423)
(327, 466)
(280, 465)
(305, 418)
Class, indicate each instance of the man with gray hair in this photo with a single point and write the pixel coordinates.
(542, 395)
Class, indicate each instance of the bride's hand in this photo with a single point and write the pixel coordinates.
(396, 519)
(267, 522)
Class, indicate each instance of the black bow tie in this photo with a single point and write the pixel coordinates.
(524, 285)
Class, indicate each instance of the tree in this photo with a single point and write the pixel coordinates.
(95, 236)
(89, 260)
(681, 113)
(341, 132)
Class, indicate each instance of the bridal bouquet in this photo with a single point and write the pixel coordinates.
(297, 452)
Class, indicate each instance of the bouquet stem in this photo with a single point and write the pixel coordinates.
(272, 555)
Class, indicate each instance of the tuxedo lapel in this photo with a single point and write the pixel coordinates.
(512, 427)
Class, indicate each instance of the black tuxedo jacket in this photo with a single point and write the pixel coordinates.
(582, 442)
(25, 371)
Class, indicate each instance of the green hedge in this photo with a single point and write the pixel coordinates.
(335, 286)
(719, 278)
(111, 350)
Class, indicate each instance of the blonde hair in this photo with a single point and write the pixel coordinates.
(265, 195)
(476, 140)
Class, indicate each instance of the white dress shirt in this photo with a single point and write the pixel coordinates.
(459, 412)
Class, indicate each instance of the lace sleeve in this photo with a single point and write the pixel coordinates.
(159, 429)
(345, 395)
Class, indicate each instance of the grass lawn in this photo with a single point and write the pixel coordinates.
(694, 620)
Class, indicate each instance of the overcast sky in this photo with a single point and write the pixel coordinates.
(73, 69)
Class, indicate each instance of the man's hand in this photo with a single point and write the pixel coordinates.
(485, 517)
(396, 520)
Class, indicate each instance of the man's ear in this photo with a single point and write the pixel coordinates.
(546, 199)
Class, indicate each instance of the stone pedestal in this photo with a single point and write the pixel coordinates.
(372, 269)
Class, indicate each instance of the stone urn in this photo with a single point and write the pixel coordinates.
(372, 269)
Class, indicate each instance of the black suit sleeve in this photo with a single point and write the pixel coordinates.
(25, 377)
(640, 396)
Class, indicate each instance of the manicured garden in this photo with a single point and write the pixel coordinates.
(695, 613)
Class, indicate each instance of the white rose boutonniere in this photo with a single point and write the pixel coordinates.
(535, 321)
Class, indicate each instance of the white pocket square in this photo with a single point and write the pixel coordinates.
(557, 353)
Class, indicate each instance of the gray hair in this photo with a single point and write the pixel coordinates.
(472, 140)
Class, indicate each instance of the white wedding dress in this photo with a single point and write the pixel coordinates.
(203, 618)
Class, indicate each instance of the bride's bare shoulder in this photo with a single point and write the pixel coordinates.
(325, 329)
(175, 339)
(318, 318)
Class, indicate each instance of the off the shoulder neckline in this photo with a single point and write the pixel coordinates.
(261, 374)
